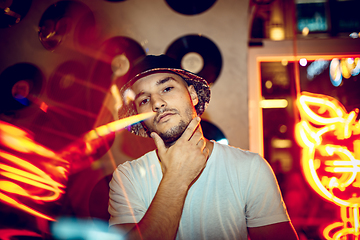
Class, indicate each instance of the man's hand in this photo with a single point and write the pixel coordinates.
(183, 161)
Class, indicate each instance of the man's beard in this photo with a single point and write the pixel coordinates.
(173, 134)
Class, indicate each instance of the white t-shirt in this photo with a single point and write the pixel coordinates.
(236, 190)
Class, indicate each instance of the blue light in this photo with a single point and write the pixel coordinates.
(72, 228)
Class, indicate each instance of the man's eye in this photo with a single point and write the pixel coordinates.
(144, 101)
(168, 89)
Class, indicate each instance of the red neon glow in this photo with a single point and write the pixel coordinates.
(21, 180)
(44, 106)
(8, 234)
(330, 137)
(27, 184)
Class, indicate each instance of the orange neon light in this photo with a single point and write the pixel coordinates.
(330, 161)
(22, 180)
(116, 126)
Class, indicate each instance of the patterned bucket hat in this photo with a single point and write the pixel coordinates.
(161, 63)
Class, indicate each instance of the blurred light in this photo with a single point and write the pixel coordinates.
(71, 228)
(116, 95)
(9, 234)
(305, 31)
(44, 106)
(129, 96)
(350, 60)
(17, 139)
(22, 178)
(273, 103)
(277, 33)
(268, 84)
(354, 35)
(346, 68)
(335, 72)
(38, 185)
(284, 62)
(316, 68)
(303, 62)
(283, 129)
(281, 143)
(356, 70)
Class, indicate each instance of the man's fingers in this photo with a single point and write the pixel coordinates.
(158, 141)
(190, 128)
(206, 152)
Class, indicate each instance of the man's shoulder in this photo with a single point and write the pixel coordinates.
(234, 151)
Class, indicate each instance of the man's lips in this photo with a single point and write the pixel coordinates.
(162, 116)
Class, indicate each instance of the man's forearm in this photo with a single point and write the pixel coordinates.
(162, 218)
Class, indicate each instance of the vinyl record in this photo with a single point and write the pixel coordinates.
(212, 132)
(190, 7)
(197, 54)
(60, 19)
(13, 11)
(87, 32)
(118, 54)
(20, 86)
(68, 83)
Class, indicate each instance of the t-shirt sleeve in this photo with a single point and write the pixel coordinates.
(264, 201)
(125, 205)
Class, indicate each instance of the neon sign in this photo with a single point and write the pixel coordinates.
(330, 141)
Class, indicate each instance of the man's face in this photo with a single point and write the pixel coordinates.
(169, 96)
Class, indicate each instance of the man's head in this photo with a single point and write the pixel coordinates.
(160, 85)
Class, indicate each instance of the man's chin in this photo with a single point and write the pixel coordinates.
(172, 135)
(169, 141)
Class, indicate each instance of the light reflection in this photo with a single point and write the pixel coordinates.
(274, 103)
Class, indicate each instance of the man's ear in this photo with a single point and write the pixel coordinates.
(193, 95)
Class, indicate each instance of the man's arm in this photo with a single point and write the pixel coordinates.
(181, 164)
(277, 231)
(162, 218)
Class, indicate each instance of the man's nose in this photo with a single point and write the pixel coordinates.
(157, 103)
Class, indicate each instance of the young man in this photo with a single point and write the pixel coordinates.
(189, 187)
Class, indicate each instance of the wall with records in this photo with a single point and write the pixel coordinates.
(77, 49)
(60, 59)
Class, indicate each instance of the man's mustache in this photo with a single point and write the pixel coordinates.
(160, 113)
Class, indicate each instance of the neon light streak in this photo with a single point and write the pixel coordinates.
(21, 176)
(116, 126)
(324, 126)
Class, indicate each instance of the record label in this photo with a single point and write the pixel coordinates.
(192, 62)
(120, 65)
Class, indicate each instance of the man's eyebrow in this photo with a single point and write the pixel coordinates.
(161, 81)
